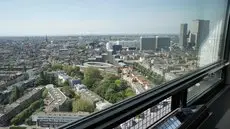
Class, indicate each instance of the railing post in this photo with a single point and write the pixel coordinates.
(179, 100)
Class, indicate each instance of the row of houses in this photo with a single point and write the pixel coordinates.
(10, 110)
(5, 94)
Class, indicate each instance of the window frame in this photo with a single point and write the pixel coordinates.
(177, 89)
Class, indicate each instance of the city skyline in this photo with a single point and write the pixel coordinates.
(28, 18)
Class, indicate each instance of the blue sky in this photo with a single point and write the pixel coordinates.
(69, 17)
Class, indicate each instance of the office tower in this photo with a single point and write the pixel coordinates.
(183, 36)
(200, 30)
(162, 43)
(47, 39)
(147, 43)
(191, 39)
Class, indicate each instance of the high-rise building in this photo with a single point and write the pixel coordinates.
(47, 39)
(200, 30)
(183, 36)
(162, 43)
(147, 43)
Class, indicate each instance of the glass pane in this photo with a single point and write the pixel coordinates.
(63, 60)
(203, 85)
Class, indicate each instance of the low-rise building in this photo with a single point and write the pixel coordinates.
(58, 99)
(55, 119)
(73, 82)
(62, 78)
(102, 105)
(10, 110)
(80, 87)
(91, 96)
(170, 76)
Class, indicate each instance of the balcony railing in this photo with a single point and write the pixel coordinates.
(145, 109)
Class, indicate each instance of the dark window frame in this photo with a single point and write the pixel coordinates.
(177, 89)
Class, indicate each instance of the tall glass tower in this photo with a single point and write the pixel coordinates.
(183, 36)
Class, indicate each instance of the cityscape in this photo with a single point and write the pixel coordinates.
(51, 80)
(65, 61)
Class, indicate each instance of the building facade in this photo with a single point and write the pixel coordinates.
(147, 43)
(162, 43)
(183, 36)
(16, 107)
(200, 31)
(55, 119)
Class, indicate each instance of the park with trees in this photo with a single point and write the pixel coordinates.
(81, 104)
(109, 86)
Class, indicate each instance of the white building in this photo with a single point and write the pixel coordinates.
(170, 76)
(62, 77)
(109, 45)
(102, 105)
(80, 87)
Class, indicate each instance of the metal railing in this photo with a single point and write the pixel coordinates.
(148, 117)
(140, 111)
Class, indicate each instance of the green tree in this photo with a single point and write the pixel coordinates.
(66, 83)
(57, 67)
(118, 82)
(102, 88)
(129, 92)
(113, 89)
(71, 70)
(44, 93)
(111, 77)
(123, 85)
(83, 105)
(75, 71)
(68, 91)
(29, 121)
(20, 118)
(113, 97)
(15, 94)
(67, 69)
(154, 77)
(91, 75)
(43, 79)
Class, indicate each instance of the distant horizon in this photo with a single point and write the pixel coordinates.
(90, 34)
(97, 17)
